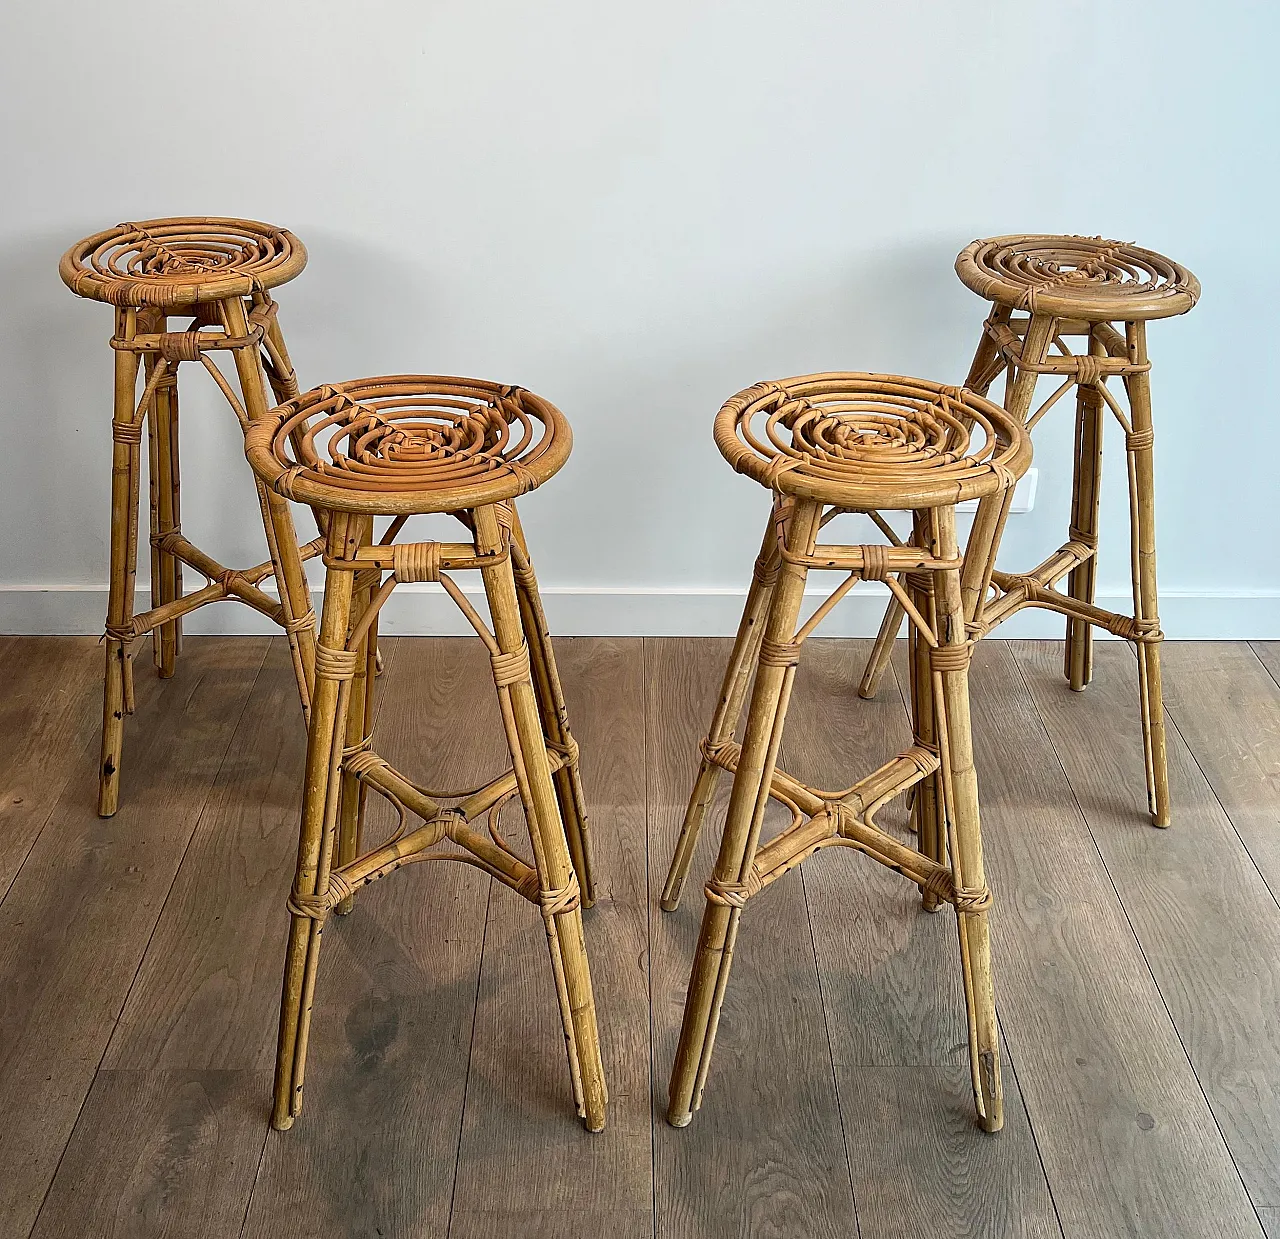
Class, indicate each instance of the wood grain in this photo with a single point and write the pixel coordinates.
(169, 1136)
(1128, 1141)
(207, 995)
(49, 710)
(376, 1145)
(1226, 707)
(1208, 925)
(525, 1167)
(77, 919)
(160, 1153)
(765, 1154)
(891, 986)
(1269, 654)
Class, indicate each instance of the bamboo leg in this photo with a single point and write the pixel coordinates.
(733, 692)
(316, 835)
(1086, 493)
(960, 789)
(282, 541)
(1146, 607)
(882, 651)
(926, 804)
(987, 362)
(729, 887)
(551, 707)
(117, 697)
(284, 384)
(359, 725)
(984, 368)
(166, 569)
(560, 896)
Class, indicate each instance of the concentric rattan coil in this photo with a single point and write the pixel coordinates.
(1077, 277)
(409, 443)
(872, 440)
(169, 263)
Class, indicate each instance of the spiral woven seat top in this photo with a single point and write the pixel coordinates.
(865, 441)
(180, 262)
(1078, 277)
(409, 443)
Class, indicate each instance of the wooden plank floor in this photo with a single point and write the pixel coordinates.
(1137, 971)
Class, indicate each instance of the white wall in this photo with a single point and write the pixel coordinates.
(636, 210)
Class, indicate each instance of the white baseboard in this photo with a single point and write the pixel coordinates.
(420, 610)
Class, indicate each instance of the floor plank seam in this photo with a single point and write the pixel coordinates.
(1177, 1032)
(257, 1175)
(1226, 813)
(1253, 649)
(85, 755)
(831, 1057)
(471, 1049)
(1008, 1048)
(124, 1001)
(1012, 1063)
(654, 1117)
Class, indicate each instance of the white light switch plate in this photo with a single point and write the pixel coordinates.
(1024, 495)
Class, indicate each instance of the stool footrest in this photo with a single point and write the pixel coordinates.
(1028, 591)
(225, 584)
(844, 819)
(439, 823)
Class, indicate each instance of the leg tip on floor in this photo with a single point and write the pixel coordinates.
(680, 1120)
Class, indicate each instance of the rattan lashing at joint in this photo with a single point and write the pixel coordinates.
(560, 899)
(567, 748)
(127, 432)
(336, 664)
(941, 884)
(318, 906)
(951, 657)
(511, 667)
(733, 894)
(779, 653)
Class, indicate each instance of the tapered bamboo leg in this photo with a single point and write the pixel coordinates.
(560, 896)
(733, 691)
(983, 370)
(359, 724)
(987, 362)
(728, 889)
(926, 803)
(282, 541)
(882, 651)
(551, 707)
(166, 569)
(960, 789)
(117, 697)
(1146, 608)
(280, 374)
(1086, 493)
(316, 836)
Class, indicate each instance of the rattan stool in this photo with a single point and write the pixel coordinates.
(215, 273)
(1044, 290)
(397, 447)
(827, 444)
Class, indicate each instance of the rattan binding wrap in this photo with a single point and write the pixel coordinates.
(407, 444)
(1077, 277)
(181, 261)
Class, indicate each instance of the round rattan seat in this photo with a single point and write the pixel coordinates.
(867, 441)
(405, 444)
(181, 261)
(1077, 277)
